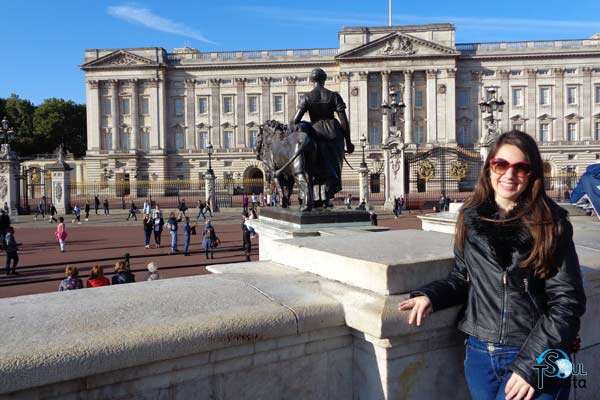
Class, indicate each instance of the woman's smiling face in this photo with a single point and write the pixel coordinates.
(508, 186)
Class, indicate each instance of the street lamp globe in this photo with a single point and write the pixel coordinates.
(4, 124)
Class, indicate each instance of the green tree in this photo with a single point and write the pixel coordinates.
(58, 121)
(19, 113)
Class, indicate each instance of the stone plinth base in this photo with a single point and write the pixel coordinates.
(315, 217)
(444, 222)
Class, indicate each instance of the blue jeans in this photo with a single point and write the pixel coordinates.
(173, 240)
(147, 237)
(487, 373)
(186, 243)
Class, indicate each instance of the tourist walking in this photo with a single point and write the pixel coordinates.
(52, 212)
(209, 239)
(201, 207)
(253, 200)
(77, 214)
(87, 210)
(132, 210)
(188, 230)
(247, 233)
(106, 207)
(441, 203)
(147, 207)
(516, 274)
(157, 228)
(348, 201)
(4, 224)
(152, 274)
(148, 225)
(96, 204)
(158, 210)
(97, 278)
(61, 233)
(244, 203)
(207, 208)
(401, 202)
(39, 210)
(71, 282)
(182, 207)
(396, 206)
(122, 274)
(11, 247)
(172, 227)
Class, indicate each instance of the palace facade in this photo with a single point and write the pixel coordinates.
(151, 113)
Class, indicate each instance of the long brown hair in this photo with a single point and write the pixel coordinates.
(539, 213)
(97, 272)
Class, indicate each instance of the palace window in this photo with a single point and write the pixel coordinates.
(278, 103)
(124, 139)
(202, 139)
(571, 95)
(252, 104)
(227, 104)
(202, 105)
(419, 134)
(544, 131)
(144, 105)
(227, 139)
(179, 139)
(463, 99)
(125, 107)
(463, 135)
(107, 140)
(145, 139)
(597, 131)
(544, 96)
(106, 106)
(374, 101)
(252, 134)
(517, 97)
(597, 94)
(572, 131)
(418, 99)
(374, 135)
(178, 102)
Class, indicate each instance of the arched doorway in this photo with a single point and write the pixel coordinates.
(254, 180)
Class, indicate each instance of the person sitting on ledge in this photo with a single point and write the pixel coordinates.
(71, 282)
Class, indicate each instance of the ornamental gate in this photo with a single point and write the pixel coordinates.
(452, 171)
(36, 186)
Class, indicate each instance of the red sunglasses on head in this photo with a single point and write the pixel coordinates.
(500, 166)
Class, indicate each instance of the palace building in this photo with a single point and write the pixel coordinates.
(151, 113)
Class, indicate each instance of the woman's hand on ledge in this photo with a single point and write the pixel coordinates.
(517, 388)
(420, 307)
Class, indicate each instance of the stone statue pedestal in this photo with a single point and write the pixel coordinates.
(9, 180)
(61, 185)
(317, 217)
(210, 191)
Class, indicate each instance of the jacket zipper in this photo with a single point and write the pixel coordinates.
(526, 282)
(504, 308)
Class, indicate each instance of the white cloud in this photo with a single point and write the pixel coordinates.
(145, 17)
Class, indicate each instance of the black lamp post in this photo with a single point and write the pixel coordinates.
(393, 106)
(363, 145)
(6, 133)
(209, 149)
(490, 106)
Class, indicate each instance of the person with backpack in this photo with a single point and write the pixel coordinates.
(106, 207)
(11, 247)
(209, 239)
(77, 213)
(52, 211)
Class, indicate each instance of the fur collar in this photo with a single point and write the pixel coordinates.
(504, 239)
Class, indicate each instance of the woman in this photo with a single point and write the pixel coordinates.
(516, 273)
(208, 242)
(152, 274)
(122, 274)
(172, 226)
(71, 282)
(97, 277)
(148, 226)
(157, 224)
(87, 210)
(61, 233)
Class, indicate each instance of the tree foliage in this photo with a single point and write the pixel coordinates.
(41, 129)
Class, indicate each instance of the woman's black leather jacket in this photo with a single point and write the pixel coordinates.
(505, 303)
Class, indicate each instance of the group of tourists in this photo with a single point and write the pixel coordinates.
(97, 278)
(266, 199)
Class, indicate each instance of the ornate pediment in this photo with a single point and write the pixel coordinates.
(398, 45)
(120, 59)
(573, 116)
(545, 116)
(518, 117)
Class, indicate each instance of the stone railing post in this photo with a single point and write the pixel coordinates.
(210, 191)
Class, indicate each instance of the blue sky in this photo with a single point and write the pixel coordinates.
(43, 41)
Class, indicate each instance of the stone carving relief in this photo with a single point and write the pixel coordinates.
(398, 46)
(58, 192)
(3, 168)
(3, 187)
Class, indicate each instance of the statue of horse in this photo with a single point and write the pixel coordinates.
(289, 154)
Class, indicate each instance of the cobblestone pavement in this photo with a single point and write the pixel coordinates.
(104, 240)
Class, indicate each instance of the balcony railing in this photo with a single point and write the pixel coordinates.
(250, 55)
(477, 48)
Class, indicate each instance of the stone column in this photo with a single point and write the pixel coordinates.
(114, 113)
(155, 142)
(135, 124)
(505, 94)
(476, 92)
(265, 97)
(432, 136)
(240, 113)
(530, 109)
(79, 177)
(451, 105)
(215, 113)
(363, 105)
(162, 117)
(586, 109)
(559, 104)
(290, 109)
(345, 93)
(364, 185)
(210, 192)
(93, 116)
(9, 179)
(190, 113)
(61, 190)
(408, 111)
(385, 94)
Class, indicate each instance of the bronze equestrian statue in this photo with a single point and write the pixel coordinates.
(329, 133)
(309, 154)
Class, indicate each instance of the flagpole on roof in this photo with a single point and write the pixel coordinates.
(390, 13)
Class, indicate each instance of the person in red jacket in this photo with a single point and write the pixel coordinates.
(97, 277)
